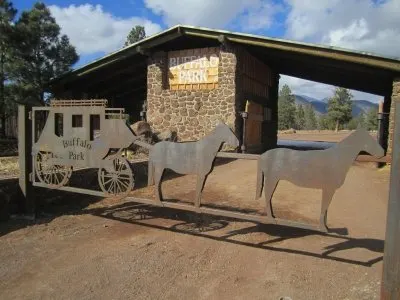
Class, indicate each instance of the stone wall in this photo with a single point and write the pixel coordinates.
(192, 113)
(395, 98)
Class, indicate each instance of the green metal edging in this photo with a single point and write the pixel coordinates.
(335, 53)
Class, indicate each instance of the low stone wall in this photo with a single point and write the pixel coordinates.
(191, 113)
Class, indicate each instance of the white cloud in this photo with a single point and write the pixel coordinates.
(251, 14)
(319, 90)
(209, 13)
(260, 15)
(364, 25)
(91, 29)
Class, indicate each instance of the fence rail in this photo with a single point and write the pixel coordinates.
(360, 158)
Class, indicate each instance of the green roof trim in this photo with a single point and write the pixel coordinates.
(335, 53)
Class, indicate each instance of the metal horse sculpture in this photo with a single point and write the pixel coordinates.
(320, 169)
(188, 158)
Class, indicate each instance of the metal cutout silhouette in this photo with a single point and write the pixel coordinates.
(319, 169)
(188, 158)
(80, 134)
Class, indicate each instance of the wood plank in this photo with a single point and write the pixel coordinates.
(360, 158)
(72, 189)
(369, 158)
(238, 155)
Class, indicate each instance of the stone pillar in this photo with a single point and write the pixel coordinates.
(191, 113)
(395, 98)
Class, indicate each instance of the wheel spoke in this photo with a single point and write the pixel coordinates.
(105, 182)
(107, 175)
(118, 188)
(123, 184)
(124, 175)
(56, 179)
(111, 186)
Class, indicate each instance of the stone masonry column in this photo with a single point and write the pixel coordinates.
(191, 113)
(395, 98)
(155, 82)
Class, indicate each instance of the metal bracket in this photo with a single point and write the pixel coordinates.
(31, 177)
(30, 115)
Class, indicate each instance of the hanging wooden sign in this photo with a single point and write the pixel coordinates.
(193, 69)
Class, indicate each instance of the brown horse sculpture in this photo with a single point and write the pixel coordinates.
(188, 158)
(319, 169)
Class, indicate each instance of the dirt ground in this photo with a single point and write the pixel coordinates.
(88, 248)
(317, 135)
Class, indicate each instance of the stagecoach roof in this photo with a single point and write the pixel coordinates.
(123, 72)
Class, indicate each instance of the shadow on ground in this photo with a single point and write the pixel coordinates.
(54, 203)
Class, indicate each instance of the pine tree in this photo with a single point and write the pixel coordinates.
(7, 15)
(310, 118)
(42, 53)
(136, 34)
(340, 107)
(300, 118)
(286, 109)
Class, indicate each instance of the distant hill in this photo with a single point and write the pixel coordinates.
(321, 106)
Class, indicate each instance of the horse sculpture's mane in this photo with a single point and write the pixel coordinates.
(349, 140)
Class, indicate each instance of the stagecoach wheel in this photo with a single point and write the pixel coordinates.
(118, 182)
(48, 173)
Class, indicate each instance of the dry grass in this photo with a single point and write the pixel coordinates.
(9, 166)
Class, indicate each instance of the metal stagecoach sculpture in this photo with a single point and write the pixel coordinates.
(84, 134)
(87, 134)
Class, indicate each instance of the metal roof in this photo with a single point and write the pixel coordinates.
(250, 39)
(326, 64)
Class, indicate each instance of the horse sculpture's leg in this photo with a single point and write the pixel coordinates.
(150, 173)
(199, 189)
(327, 195)
(158, 172)
(269, 189)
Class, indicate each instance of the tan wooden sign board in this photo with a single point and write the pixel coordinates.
(193, 69)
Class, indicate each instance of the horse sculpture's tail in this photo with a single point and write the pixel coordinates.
(260, 179)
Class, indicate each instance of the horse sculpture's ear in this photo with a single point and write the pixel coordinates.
(219, 122)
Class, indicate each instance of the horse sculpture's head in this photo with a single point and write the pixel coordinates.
(227, 135)
(368, 143)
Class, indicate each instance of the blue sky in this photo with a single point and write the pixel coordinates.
(99, 27)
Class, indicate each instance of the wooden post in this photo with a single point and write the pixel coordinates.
(390, 286)
(25, 159)
(244, 115)
(380, 125)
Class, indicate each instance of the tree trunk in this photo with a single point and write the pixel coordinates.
(337, 126)
(2, 98)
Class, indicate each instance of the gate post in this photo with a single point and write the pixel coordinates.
(390, 286)
(25, 160)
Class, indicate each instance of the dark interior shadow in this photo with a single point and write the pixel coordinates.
(280, 232)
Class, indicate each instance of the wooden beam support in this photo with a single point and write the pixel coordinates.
(116, 87)
(143, 51)
(114, 75)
